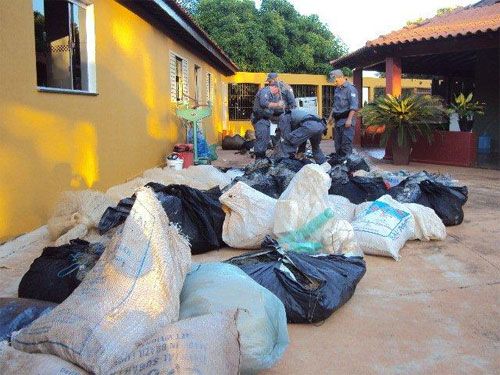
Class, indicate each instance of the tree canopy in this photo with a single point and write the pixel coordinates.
(274, 37)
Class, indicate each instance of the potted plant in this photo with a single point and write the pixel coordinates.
(404, 118)
(466, 110)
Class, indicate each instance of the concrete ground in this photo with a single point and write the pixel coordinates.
(434, 312)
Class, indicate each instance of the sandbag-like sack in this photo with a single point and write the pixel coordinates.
(249, 216)
(383, 228)
(132, 289)
(261, 320)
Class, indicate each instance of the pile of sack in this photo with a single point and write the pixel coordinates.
(307, 224)
(144, 307)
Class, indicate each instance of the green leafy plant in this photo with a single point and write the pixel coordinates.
(465, 107)
(404, 117)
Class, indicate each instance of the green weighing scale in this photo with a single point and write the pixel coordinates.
(192, 116)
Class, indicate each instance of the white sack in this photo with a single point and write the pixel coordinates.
(16, 362)
(249, 216)
(428, 225)
(127, 189)
(207, 344)
(384, 227)
(261, 318)
(305, 198)
(132, 289)
(76, 213)
(342, 208)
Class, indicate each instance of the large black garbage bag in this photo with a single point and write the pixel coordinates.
(17, 313)
(198, 213)
(446, 201)
(114, 216)
(202, 215)
(59, 270)
(352, 162)
(311, 287)
(234, 142)
(408, 191)
(359, 189)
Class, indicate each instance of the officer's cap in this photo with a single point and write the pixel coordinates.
(271, 76)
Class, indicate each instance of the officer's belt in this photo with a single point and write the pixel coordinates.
(341, 115)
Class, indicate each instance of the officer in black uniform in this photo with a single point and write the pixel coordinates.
(345, 105)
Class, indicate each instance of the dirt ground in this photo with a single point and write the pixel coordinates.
(434, 312)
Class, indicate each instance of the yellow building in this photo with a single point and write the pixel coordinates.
(88, 96)
(242, 87)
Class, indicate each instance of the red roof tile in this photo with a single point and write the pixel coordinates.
(461, 22)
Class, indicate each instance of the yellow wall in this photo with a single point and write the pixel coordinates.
(239, 127)
(54, 142)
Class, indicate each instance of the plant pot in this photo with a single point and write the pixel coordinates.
(400, 154)
(465, 124)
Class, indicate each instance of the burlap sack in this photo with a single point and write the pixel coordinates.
(75, 213)
(207, 344)
(16, 362)
(133, 288)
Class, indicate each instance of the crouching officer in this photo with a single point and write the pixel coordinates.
(345, 105)
(267, 104)
(297, 126)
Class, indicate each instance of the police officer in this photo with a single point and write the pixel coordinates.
(286, 91)
(345, 105)
(297, 126)
(267, 103)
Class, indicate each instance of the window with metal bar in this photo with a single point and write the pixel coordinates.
(240, 100)
(63, 44)
(327, 99)
(304, 91)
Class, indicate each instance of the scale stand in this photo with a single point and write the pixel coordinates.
(192, 116)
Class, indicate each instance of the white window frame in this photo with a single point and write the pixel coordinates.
(91, 56)
(185, 76)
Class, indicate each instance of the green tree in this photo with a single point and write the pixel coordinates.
(273, 38)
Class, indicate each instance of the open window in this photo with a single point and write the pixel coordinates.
(64, 45)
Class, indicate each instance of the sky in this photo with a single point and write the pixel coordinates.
(357, 21)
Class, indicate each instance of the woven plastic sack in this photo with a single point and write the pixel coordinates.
(384, 227)
(16, 362)
(126, 189)
(207, 175)
(132, 289)
(76, 213)
(261, 320)
(305, 198)
(341, 207)
(206, 344)
(249, 216)
(428, 225)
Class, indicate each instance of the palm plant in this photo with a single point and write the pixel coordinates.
(466, 109)
(404, 117)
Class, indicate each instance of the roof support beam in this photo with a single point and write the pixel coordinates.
(393, 76)
(357, 80)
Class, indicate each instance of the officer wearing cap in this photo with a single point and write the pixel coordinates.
(286, 91)
(267, 103)
(297, 126)
(345, 105)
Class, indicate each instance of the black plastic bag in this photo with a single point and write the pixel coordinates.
(59, 270)
(310, 287)
(232, 142)
(352, 162)
(198, 213)
(446, 201)
(17, 313)
(408, 191)
(201, 218)
(359, 189)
